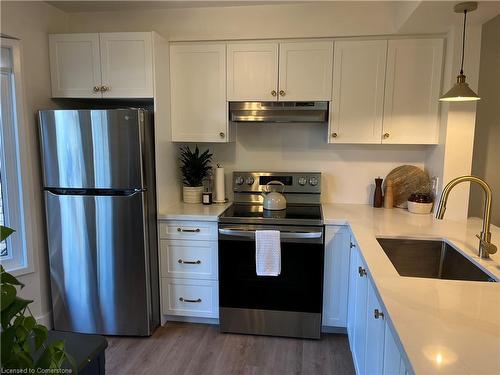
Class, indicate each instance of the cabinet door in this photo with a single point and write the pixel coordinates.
(412, 91)
(127, 65)
(75, 67)
(358, 91)
(252, 71)
(305, 71)
(375, 332)
(393, 363)
(198, 92)
(336, 276)
(358, 320)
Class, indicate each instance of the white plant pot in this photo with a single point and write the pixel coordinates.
(192, 194)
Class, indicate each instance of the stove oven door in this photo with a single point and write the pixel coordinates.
(286, 305)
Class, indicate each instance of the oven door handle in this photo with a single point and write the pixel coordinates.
(284, 234)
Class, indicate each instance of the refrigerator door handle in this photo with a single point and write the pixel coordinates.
(96, 192)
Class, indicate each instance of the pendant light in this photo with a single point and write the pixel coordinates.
(461, 92)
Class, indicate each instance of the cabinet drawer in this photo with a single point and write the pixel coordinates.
(188, 259)
(197, 298)
(188, 230)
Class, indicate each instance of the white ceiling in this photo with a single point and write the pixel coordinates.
(76, 6)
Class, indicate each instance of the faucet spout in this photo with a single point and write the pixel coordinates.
(485, 245)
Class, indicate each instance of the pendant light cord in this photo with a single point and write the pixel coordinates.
(463, 43)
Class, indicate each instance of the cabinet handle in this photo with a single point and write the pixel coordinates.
(361, 271)
(190, 300)
(96, 89)
(222, 135)
(282, 92)
(197, 230)
(352, 245)
(180, 261)
(334, 135)
(378, 314)
(273, 92)
(386, 135)
(104, 88)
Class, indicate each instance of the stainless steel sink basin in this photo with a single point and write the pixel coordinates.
(431, 259)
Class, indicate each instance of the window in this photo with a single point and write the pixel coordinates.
(13, 254)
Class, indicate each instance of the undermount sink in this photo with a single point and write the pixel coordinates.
(430, 259)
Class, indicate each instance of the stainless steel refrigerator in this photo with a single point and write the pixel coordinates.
(100, 203)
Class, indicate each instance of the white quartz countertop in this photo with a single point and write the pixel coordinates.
(197, 212)
(444, 326)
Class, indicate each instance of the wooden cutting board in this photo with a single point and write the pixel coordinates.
(407, 179)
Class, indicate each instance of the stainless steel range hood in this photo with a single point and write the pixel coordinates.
(278, 111)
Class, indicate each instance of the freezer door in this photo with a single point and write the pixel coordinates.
(99, 264)
(91, 148)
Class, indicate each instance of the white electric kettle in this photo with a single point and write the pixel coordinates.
(274, 200)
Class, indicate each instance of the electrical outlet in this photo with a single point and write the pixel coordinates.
(435, 186)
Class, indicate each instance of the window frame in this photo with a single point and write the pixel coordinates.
(18, 169)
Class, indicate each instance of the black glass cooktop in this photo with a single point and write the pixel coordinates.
(255, 213)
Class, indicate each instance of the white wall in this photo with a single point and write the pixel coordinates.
(487, 139)
(31, 22)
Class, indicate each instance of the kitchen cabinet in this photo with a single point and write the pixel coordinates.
(305, 71)
(198, 93)
(288, 71)
(336, 276)
(101, 65)
(375, 332)
(412, 87)
(188, 254)
(358, 91)
(394, 363)
(252, 71)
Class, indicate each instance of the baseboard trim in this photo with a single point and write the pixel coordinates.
(188, 319)
(45, 319)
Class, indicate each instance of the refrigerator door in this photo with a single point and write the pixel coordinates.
(99, 264)
(92, 148)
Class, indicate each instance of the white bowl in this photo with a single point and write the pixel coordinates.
(420, 208)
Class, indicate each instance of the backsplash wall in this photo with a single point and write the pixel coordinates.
(347, 171)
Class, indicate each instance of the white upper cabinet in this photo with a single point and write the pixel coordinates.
(75, 67)
(252, 71)
(305, 71)
(106, 65)
(198, 92)
(358, 91)
(336, 276)
(412, 87)
(126, 65)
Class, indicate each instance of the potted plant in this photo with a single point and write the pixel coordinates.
(24, 341)
(194, 168)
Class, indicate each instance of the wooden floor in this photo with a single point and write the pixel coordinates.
(183, 348)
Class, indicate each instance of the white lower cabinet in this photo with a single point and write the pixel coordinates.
(336, 276)
(371, 337)
(189, 269)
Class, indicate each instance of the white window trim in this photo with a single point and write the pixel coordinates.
(22, 261)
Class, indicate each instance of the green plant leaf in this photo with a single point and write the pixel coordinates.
(18, 321)
(21, 333)
(41, 334)
(8, 295)
(29, 322)
(25, 360)
(12, 310)
(7, 339)
(5, 232)
(7, 278)
(45, 359)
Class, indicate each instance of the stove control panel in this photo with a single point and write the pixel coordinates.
(295, 182)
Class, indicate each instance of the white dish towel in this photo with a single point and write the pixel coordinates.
(267, 252)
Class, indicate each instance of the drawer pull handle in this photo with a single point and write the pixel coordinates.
(378, 314)
(197, 230)
(361, 271)
(190, 300)
(188, 261)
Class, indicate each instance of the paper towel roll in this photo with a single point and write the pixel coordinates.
(220, 191)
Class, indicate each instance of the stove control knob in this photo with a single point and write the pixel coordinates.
(313, 181)
(239, 180)
(250, 181)
(302, 181)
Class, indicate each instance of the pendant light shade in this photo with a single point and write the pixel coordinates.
(461, 92)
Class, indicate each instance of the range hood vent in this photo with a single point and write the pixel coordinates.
(278, 111)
